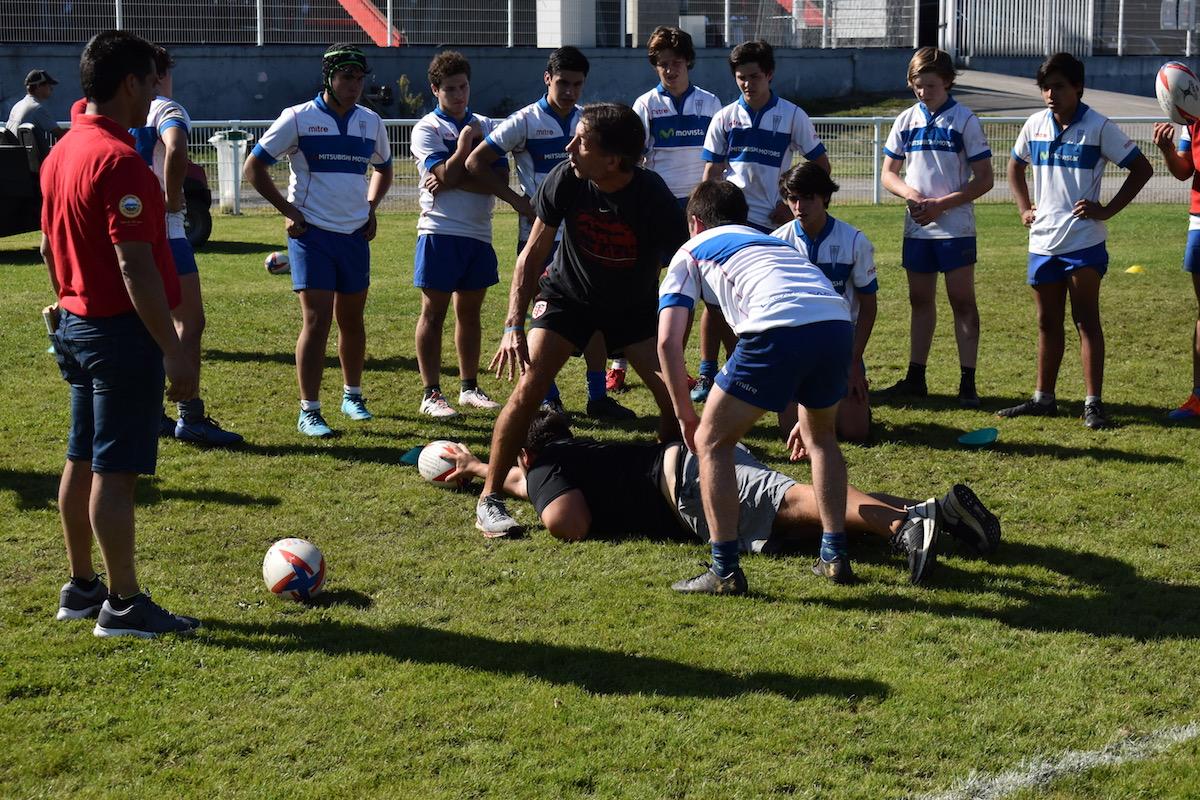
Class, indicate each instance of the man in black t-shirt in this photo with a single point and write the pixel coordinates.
(620, 225)
(581, 488)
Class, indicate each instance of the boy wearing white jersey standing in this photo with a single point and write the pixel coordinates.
(163, 143)
(947, 165)
(454, 257)
(1068, 146)
(676, 115)
(537, 136)
(330, 220)
(751, 142)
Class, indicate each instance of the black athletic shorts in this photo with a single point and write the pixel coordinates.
(576, 322)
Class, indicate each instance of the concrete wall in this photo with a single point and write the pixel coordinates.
(1128, 74)
(229, 82)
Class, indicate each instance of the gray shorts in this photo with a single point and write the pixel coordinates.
(760, 490)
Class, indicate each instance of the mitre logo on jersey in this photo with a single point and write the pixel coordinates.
(317, 129)
(544, 132)
(659, 112)
(130, 206)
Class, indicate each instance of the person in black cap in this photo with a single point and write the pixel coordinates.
(32, 107)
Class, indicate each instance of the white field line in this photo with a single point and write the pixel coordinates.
(1038, 772)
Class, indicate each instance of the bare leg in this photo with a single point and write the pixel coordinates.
(1196, 333)
(725, 420)
(189, 320)
(429, 335)
(74, 494)
(1051, 299)
(1085, 311)
(828, 467)
(548, 351)
(111, 513)
(352, 335)
(922, 287)
(960, 289)
(316, 305)
(468, 332)
(595, 355)
(644, 358)
(875, 514)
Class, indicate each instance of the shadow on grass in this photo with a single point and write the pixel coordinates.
(1096, 595)
(331, 361)
(944, 437)
(589, 668)
(25, 257)
(342, 597)
(39, 490)
(1120, 413)
(240, 248)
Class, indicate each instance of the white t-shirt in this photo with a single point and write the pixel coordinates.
(328, 156)
(842, 252)
(1067, 167)
(760, 282)
(537, 137)
(938, 150)
(452, 212)
(675, 134)
(164, 114)
(759, 146)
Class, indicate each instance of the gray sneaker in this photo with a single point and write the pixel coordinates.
(968, 520)
(709, 582)
(143, 618)
(493, 520)
(76, 603)
(918, 539)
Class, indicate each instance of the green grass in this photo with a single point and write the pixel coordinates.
(442, 665)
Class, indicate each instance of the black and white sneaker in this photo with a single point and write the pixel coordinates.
(607, 409)
(968, 520)
(837, 570)
(75, 602)
(709, 582)
(1095, 417)
(142, 618)
(918, 539)
(1030, 408)
(493, 520)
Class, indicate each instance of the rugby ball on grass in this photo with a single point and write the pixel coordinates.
(1178, 92)
(294, 569)
(436, 462)
(277, 264)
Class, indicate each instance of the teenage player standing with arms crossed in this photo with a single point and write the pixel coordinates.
(947, 165)
(330, 219)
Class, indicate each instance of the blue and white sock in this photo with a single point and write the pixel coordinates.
(833, 545)
(725, 558)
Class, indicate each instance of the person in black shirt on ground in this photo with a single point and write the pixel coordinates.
(572, 484)
(620, 225)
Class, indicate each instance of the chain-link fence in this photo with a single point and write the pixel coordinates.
(512, 23)
(854, 145)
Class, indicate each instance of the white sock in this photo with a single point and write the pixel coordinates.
(620, 363)
(353, 391)
(1043, 398)
(1091, 398)
(310, 405)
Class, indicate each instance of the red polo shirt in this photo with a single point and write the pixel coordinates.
(97, 192)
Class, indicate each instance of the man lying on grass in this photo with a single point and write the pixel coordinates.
(584, 488)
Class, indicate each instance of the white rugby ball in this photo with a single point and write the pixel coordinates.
(295, 569)
(277, 264)
(1178, 92)
(435, 464)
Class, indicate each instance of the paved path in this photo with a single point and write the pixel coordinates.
(993, 94)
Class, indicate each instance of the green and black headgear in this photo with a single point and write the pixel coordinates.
(338, 57)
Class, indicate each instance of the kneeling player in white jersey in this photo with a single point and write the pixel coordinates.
(794, 345)
(454, 256)
(330, 220)
(163, 143)
(847, 258)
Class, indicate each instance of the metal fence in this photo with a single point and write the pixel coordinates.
(854, 145)
(512, 23)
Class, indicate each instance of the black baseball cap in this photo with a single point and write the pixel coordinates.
(37, 77)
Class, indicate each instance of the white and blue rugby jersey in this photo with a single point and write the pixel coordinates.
(842, 252)
(759, 147)
(537, 137)
(328, 156)
(1068, 164)
(761, 282)
(164, 113)
(675, 134)
(452, 212)
(938, 149)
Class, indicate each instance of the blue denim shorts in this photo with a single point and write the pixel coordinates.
(115, 370)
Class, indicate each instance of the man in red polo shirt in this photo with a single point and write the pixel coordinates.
(104, 241)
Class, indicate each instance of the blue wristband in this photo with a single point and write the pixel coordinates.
(514, 329)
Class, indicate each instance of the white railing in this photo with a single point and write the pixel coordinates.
(854, 145)
(1021, 27)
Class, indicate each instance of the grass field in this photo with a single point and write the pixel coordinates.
(442, 665)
